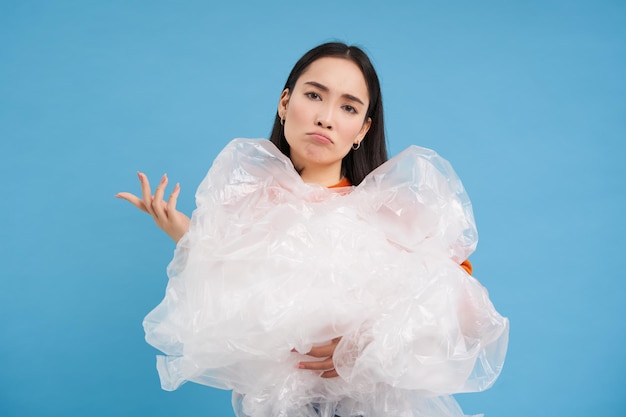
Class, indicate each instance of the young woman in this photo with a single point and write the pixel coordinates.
(316, 278)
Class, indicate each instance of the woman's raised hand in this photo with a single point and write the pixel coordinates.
(164, 213)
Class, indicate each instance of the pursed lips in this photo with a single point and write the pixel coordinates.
(320, 137)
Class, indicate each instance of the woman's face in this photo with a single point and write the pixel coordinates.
(325, 115)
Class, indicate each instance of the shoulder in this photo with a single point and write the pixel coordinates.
(422, 171)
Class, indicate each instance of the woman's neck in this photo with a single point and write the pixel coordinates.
(325, 177)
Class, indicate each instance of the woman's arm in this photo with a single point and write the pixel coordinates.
(164, 213)
(325, 352)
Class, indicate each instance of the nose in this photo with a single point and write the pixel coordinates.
(324, 124)
(324, 118)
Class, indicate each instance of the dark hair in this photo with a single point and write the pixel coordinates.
(373, 151)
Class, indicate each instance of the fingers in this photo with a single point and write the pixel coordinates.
(327, 365)
(323, 365)
(158, 207)
(146, 193)
(171, 203)
(133, 199)
(330, 374)
(153, 205)
(324, 350)
(174, 223)
(321, 351)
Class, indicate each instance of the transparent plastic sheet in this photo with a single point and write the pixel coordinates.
(272, 264)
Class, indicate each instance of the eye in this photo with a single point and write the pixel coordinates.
(349, 109)
(313, 95)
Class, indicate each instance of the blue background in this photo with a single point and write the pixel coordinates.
(526, 99)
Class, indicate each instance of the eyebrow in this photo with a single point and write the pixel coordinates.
(324, 88)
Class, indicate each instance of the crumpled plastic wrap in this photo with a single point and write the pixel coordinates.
(271, 265)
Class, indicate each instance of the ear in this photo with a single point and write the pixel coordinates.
(364, 129)
(283, 102)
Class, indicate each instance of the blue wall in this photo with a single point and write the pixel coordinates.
(526, 99)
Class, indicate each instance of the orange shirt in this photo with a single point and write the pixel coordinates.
(343, 183)
(346, 183)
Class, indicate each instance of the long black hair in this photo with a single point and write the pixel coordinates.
(373, 151)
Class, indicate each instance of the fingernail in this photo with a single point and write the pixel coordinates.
(139, 175)
(301, 366)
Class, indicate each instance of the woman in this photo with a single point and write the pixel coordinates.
(312, 243)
